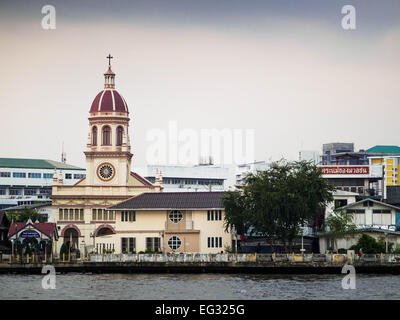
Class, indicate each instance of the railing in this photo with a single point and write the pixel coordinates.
(248, 258)
(33, 258)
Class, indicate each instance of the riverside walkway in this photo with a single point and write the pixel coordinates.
(213, 263)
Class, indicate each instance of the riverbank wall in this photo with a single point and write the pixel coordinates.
(212, 263)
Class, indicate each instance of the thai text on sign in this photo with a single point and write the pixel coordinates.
(345, 170)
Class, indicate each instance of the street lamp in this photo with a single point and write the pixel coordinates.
(92, 235)
(161, 234)
(386, 242)
(302, 242)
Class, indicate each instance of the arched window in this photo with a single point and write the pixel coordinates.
(106, 136)
(94, 136)
(120, 131)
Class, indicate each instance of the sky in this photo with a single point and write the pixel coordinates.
(285, 69)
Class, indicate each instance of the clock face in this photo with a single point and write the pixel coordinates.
(106, 171)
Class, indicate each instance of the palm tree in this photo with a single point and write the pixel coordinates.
(338, 225)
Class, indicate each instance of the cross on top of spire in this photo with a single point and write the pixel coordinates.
(109, 76)
(109, 59)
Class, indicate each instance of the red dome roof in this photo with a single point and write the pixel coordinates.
(109, 100)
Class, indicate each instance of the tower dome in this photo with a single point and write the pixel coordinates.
(109, 100)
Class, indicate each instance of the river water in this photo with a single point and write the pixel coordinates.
(199, 286)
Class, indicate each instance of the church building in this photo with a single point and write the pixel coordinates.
(80, 209)
(113, 209)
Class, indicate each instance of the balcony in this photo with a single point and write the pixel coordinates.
(183, 225)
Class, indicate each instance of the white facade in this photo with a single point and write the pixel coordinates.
(189, 178)
(24, 184)
(373, 217)
(340, 196)
(367, 213)
(243, 170)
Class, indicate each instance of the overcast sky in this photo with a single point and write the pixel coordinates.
(286, 69)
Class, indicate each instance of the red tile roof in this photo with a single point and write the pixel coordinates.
(48, 228)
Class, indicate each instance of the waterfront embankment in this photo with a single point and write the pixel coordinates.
(212, 263)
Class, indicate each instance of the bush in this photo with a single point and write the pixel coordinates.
(228, 249)
(369, 245)
(397, 249)
(342, 251)
(64, 250)
(354, 247)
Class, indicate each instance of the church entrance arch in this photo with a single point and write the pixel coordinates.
(71, 238)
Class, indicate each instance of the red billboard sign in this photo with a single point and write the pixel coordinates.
(345, 170)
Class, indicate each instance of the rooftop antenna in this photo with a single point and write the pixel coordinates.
(63, 155)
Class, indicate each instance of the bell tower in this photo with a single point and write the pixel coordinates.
(108, 151)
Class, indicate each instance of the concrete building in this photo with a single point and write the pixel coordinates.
(189, 178)
(340, 199)
(168, 221)
(24, 181)
(309, 155)
(243, 170)
(344, 154)
(391, 168)
(366, 180)
(329, 150)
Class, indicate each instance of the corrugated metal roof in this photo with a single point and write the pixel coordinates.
(384, 149)
(28, 206)
(368, 199)
(173, 200)
(35, 164)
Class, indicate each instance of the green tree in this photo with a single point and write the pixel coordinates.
(64, 251)
(278, 201)
(238, 212)
(30, 245)
(369, 244)
(339, 224)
